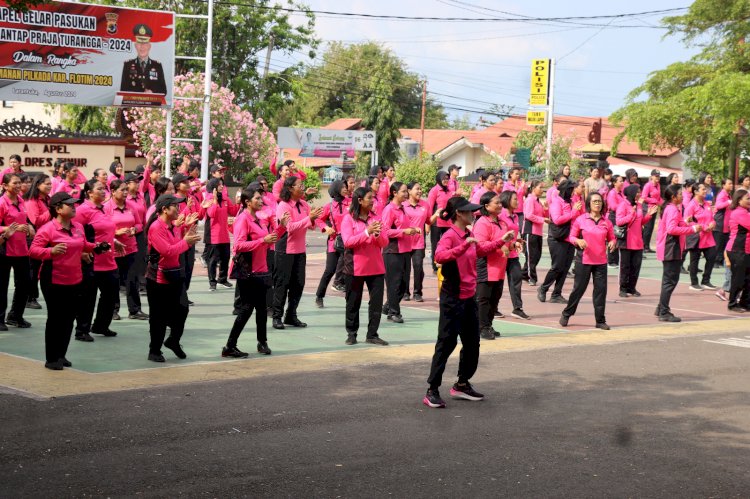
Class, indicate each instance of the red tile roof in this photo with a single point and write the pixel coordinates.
(578, 127)
(344, 124)
(437, 140)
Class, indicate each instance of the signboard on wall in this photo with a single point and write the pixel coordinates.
(322, 143)
(98, 55)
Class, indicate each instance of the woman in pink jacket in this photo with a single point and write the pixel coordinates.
(37, 211)
(457, 252)
(491, 267)
(364, 238)
(165, 280)
(593, 234)
(420, 217)
(60, 244)
(738, 252)
(562, 212)
(486, 183)
(329, 223)
(219, 212)
(614, 198)
(631, 217)
(699, 211)
(291, 254)
(71, 180)
(100, 277)
(509, 221)
(651, 196)
(398, 230)
(535, 214)
(252, 238)
(721, 230)
(16, 254)
(670, 244)
(126, 227)
(437, 199)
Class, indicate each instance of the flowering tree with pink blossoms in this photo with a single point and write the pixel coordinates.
(238, 141)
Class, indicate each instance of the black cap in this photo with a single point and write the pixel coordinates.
(180, 177)
(132, 177)
(655, 173)
(167, 200)
(63, 198)
(463, 204)
(142, 33)
(453, 167)
(140, 169)
(216, 168)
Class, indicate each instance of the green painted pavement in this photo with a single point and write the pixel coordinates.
(208, 327)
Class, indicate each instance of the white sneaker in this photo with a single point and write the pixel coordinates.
(697, 287)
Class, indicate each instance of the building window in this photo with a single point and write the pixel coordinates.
(7, 103)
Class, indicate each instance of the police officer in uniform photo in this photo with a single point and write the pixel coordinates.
(143, 74)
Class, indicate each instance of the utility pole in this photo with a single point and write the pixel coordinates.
(265, 68)
(421, 126)
(551, 113)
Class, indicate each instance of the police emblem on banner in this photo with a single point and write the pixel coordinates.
(111, 22)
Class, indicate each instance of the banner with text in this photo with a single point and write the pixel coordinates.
(70, 53)
(322, 143)
(539, 93)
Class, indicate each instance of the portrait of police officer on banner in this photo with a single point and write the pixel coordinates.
(143, 74)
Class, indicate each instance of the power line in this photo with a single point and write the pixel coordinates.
(441, 19)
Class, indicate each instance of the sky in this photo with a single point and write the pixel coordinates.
(483, 63)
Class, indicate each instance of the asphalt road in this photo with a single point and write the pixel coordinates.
(665, 418)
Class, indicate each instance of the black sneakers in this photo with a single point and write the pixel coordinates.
(175, 347)
(487, 333)
(84, 337)
(432, 399)
(108, 333)
(226, 284)
(233, 352)
(17, 322)
(466, 391)
(55, 366)
(295, 322)
(319, 302)
(602, 325)
(418, 298)
(351, 340)
(138, 316)
(558, 299)
(520, 314)
(156, 357)
(396, 318)
(377, 341)
(263, 348)
(33, 304)
(669, 318)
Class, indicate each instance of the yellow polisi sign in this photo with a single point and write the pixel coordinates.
(536, 118)
(540, 82)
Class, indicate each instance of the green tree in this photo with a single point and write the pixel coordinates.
(536, 140)
(422, 170)
(697, 105)
(88, 119)
(462, 122)
(369, 82)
